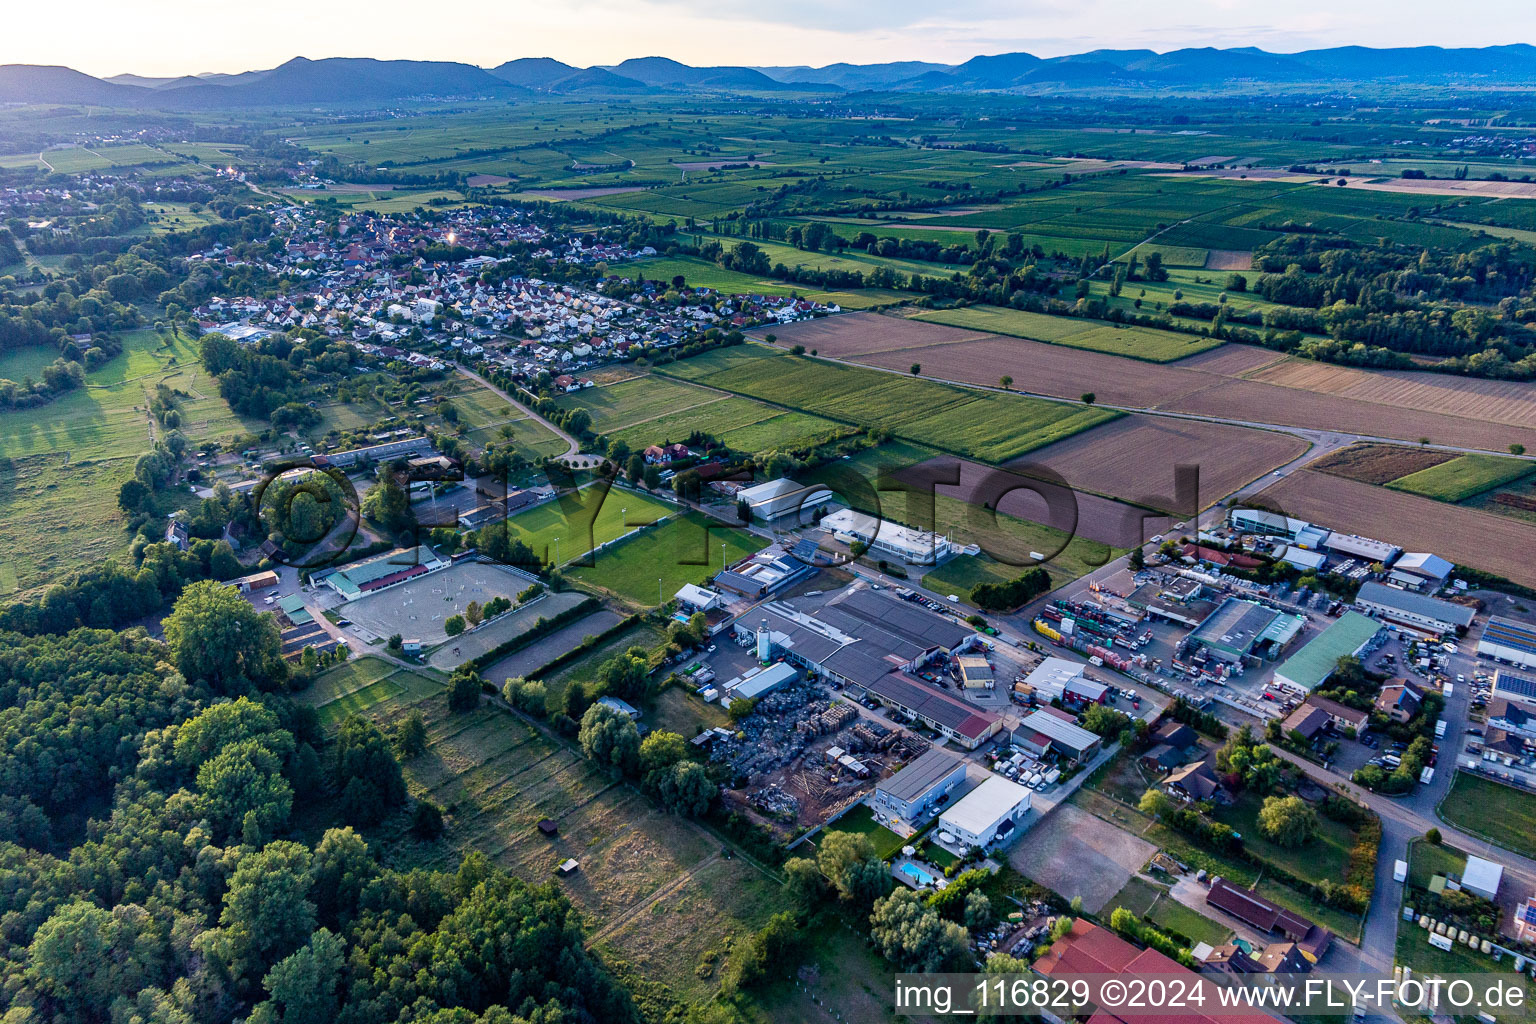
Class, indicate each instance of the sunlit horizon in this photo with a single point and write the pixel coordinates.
(175, 37)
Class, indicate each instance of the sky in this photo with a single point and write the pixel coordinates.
(177, 37)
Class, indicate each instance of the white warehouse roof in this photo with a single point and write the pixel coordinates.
(979, 810)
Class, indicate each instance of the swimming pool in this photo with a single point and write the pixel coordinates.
(917, 874)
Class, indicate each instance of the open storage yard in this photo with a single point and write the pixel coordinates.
(1466, 536)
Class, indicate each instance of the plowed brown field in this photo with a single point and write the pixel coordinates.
(1378, 463)
(1133, 458)
(1466, 536)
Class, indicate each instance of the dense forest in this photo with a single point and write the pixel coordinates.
(154, 874)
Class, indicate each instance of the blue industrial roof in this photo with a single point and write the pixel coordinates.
(1509, 633)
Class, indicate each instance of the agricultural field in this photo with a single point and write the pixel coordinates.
(69, 457)
(1134, 459)
(649, 410)
(1463, 535)
(1464, 477)
(1094, 335)
(1237, 382)
(987, 426)
(654, 890)
(1378, 463)
(648, 568)
(1498, 813)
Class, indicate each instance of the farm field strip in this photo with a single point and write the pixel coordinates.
(1095, 335)
(1464, 477)
(1230, 383)
(991, 427)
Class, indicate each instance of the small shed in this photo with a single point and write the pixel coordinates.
(567, 866)
(548, 827)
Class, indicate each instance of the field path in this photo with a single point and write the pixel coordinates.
(573, 446)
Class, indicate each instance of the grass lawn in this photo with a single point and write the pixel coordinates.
(1498, 813)
(62, 463)
(1326, 856)
(683, 550)
(567, 528)
(1137, 896)
(861, 821)
(1074, 332)
(1464, 477)
(1172, 916)
(1426, 860)
(675, 709)
(653, 892)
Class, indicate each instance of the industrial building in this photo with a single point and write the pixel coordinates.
(975, 672)
(1066, 681)
(1513, 686)
(1421, 569)
(783, 498)
(1405, 608)
(1352, 546)
(987, 815)
(411, 446)
(1090, 950)
(871, 642)
(1311, 666)
(890, 540)
(1240, 630)
(914, 794)
(1049, 729)
(766, 572)
(1262, 523)
(1510, 641)
(756, 682)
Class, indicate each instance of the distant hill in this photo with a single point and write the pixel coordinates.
(361, 81)
(36, 83)
(667, 73)
(342, 81)
(854, 76)
(544, 74)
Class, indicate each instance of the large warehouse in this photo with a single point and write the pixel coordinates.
(872, 642)
(892, 540)
(1311, 666)
(1428, 614)
(782, 498)
(987, 815)
(1240, 629)
(1510, 641)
